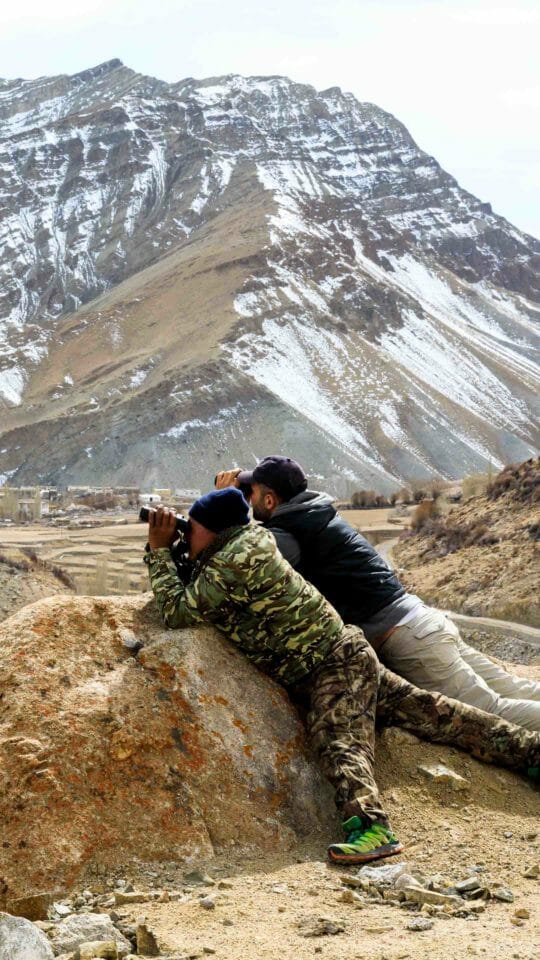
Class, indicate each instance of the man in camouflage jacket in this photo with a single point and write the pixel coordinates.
(241, 583)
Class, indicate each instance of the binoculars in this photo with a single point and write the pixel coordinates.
(181, 523)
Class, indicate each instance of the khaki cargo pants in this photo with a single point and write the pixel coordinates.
(429, 652)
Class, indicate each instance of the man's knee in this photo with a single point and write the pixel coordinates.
(355, 645)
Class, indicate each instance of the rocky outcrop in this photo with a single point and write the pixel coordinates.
(107, 760)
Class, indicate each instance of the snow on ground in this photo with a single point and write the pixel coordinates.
(12, 384)
(453, 346)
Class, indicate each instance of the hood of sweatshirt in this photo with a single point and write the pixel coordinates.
(309, 510)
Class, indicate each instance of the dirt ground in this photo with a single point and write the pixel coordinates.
(493, 828)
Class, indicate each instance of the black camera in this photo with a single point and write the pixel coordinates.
(182, 525)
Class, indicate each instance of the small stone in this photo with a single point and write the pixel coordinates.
(130, 896)
(107, 949)
(280, 888)
(146, 941)
(532, 835)
(466, 886)
(420, 923)
(439, 773)
(197, 878)
(385, 875)
(208, 903)
(421, 895)
(517, 922)
(225, 885)
(45, 925)
(34, 907)
(227, 922)
(476, 907)
(321, 927)
(508, 834)
(503, 893)
(164, 897)
(351, 881)
(208, 950)
(62, 910)
(532, 872)
(522, 913)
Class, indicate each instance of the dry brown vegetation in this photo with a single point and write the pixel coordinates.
(481, 557)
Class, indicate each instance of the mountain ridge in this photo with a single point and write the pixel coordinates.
(252, 258)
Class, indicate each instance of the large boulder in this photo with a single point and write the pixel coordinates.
(107, 759)
(22, 940)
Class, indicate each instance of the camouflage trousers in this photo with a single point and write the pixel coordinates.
(352, 691)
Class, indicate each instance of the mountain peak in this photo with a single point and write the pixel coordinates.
(249, 257)
(98, 71)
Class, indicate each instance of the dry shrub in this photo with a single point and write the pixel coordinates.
(404, 495)
(426, 510)
(61, 574)
(368, 500)
(31, 554)
(15, 564)
(442, 538)
(475, 485)
(522, 481)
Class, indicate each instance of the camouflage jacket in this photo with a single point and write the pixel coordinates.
(243, 585)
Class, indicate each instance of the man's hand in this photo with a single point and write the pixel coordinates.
(227, 478)
(162, 530)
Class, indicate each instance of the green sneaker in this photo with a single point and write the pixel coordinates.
(364, 843)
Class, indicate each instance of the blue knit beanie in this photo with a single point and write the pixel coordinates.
(220, 509)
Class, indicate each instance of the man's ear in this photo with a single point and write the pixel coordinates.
(271, 501)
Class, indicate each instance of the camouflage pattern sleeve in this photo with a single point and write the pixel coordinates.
(176, 601)
(203, 599)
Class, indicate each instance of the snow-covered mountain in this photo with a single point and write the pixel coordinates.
(200, 273)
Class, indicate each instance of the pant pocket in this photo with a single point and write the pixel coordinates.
(435, 623)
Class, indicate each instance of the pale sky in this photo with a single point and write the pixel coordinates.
(463, 77)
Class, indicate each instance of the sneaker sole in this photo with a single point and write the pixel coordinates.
(388, 850)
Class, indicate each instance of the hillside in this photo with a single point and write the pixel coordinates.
(24, 579)
(483, 557)
(200, 272)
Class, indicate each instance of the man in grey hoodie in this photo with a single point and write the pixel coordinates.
(418, 642)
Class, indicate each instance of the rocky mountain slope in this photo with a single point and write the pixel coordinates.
(201, 272)
(483, 557)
